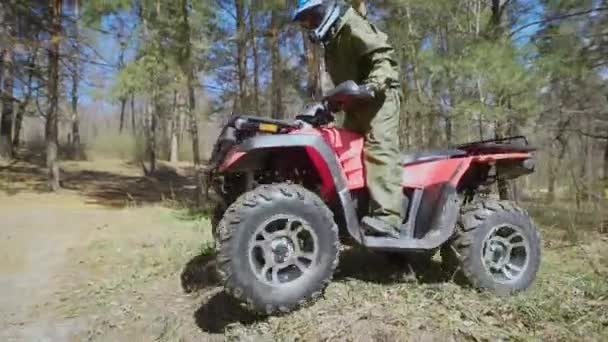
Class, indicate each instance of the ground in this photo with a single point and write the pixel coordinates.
(120, 257)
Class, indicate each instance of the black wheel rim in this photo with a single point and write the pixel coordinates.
(282, 250)
(506, 253)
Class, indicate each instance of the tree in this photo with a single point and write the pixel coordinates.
(51, 131)
(275, 60)
(7, 69)
(241, 59)
(76, 141)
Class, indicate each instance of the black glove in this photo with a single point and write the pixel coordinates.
(368, 90)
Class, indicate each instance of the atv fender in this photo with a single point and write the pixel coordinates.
(251, 153)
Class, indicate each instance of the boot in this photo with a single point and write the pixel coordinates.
(380, 227)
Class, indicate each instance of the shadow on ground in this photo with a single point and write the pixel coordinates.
(107, 188)
(199, 273)
(385, 268)
(115, 190)
(221, 310)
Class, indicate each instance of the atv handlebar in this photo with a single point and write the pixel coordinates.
(346, 93)
(341, 97)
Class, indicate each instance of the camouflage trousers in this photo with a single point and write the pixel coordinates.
(380, 125)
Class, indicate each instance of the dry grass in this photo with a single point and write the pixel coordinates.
(133, 290)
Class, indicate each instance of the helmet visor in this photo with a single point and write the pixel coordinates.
(309, 20)
(310, 14)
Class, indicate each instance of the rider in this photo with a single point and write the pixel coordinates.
(356, 50)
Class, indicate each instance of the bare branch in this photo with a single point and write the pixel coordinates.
(559, 17)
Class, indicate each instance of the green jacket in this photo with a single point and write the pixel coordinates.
(358, 51)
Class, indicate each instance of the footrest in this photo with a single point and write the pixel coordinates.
(431, 241)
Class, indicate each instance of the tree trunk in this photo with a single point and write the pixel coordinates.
(405, 122)
(173, 143)
(3, 28)
(241, 47)
(152, 107)
(275, 60)
(187, 69)
(23, 105)
(2, 52)
(53, 93)
(123, 105)
(311, 54)
(76, 145)
(6, 123)
(448, 129)
(554, 165)
(503, 185)
(605, 173)
(433, 130)
(256, 61)
(133, 128)
(7, 81)
(590, 175)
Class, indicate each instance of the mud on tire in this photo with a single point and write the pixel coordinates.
(267, 229)
(487, 231)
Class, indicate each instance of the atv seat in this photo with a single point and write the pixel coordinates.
(427, 156)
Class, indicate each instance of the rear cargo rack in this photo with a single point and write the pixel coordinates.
(510, 144)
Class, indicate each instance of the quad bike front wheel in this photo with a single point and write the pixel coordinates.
(278, 248)
(497, 247)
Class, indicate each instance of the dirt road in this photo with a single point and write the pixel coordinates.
(36, 236)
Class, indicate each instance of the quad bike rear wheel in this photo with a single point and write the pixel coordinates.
(278, 248)
(497, 247)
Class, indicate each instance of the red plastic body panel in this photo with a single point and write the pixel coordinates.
(348, 149)
(441, 171)
(233, 156)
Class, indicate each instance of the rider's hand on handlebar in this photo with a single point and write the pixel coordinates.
(368, 89)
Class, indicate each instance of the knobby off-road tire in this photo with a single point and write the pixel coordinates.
(243, 275)
(216, 216)
(485, 225)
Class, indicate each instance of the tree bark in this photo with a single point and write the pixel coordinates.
(433, 129)
(53, 93)
(152, 107)
(605, 171)
(590, 175)
(188, 71)
(554, 164)
(123, 105)
(7, 19)
(6, 122)
(173, 143)
(241, 47)
(3, 33)
(76, 145)
(503, 185)
(256, 60)
(133, 127)
(24, 103)
(448, 129)
(311, 55)
(275, 60)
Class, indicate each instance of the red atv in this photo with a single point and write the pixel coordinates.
(294, 190)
